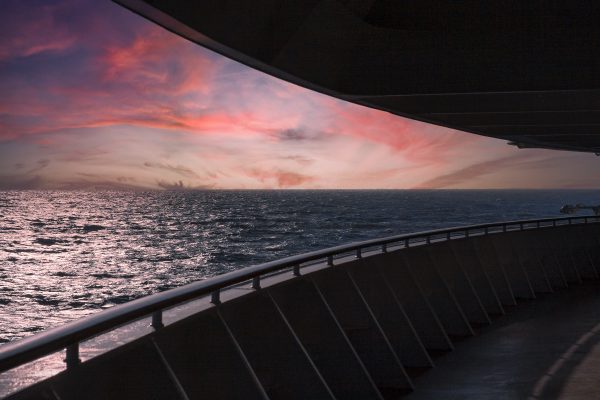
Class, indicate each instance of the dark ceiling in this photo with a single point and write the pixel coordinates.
(524, 71)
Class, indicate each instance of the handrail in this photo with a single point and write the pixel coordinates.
(71, 334)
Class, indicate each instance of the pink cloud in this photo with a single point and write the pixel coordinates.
(157, 61)
(39, 32)
(471, 172)
(54, 45)
(104, 66)
(417, 141)
(282, 179)
(140, 83)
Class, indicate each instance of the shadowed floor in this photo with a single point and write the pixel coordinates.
(547, 348)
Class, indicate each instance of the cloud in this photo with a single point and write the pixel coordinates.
(177, 169)
(179, 185)
(126, 179)
(33, 30)
(41, 182)
(123, 73)
(39, 165)
(416, 141)
(302, 160)
(282, 179)
(471, 172)
(297, 135)
(157, 62)
(171, 185)
(20, 182)
(100, 91)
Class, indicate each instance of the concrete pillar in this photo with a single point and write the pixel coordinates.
(324, 339)
(363, 330)
(542, 249)
(587, 249)
(437, 291)
(524, 243)
(417, 307)
(136, 371)
(206, 359)
(570, 236)
(467, 257)
(517, 276)
(562, 254)
(389, 312)
(590, 233)
(272, 350)
(453, 272)
(494, 269)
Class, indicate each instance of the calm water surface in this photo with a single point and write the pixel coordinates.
(64, 255)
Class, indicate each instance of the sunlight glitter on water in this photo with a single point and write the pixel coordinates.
(64, 255)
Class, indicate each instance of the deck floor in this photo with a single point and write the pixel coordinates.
(548, 348)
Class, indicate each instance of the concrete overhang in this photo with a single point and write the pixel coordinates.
(524, 71)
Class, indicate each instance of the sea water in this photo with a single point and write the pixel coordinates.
(67, 254)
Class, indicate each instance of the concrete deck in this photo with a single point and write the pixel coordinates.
(548, 348)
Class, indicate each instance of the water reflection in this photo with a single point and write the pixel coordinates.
(64, 255)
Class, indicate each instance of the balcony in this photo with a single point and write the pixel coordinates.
(505, 310)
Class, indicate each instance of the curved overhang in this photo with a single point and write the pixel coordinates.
(525, 72)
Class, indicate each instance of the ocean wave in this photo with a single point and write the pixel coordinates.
(92, 228)
(64, 273)
(56, 251)
(103, 275)
(46, 301)
(162, 240)
(47, 241)
(118, 299)
(21, 250)
(108, 275)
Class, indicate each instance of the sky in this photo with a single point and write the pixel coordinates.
(94, 96)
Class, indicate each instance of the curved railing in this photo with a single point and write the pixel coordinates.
(70, 335)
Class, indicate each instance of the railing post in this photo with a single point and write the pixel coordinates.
(359, 253)
(503, 227)
(296, 270)
(537, 224)
(447, 235)
(569, 221)
(215, 297)
(330, 260)
(384, 248)
(466, 233)
(485, 230)
(256, 282)
(428, 239)
(157, 321)
(406, 243)
(72, 357)
(553, 222)
(521, 226)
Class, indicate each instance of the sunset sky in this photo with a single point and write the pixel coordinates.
(93, 95)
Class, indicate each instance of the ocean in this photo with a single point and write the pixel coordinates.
(67, 254)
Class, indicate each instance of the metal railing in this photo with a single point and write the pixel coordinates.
(71, 334)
